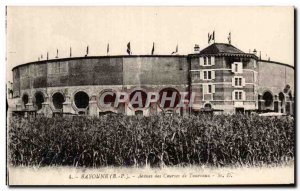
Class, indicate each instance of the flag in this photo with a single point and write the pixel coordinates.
(128, 48)
(70, 51)
(211, 37)
(41, 56)
(56, 53)
(152, 52)
(176, 51)
(107, 49)
(229, 38)
(47, 56)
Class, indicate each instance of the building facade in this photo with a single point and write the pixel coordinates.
(223, 78)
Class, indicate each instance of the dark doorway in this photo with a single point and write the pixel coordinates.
(239, 110)
(276, 106)
(39, 99)
(25, 99)
(281, 98)
(81, 100)
(268, 99)
(58, 100)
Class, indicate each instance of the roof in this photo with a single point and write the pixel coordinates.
(218, 48)
(222, 49)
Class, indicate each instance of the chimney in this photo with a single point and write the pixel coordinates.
(254, 51)
(196, 48)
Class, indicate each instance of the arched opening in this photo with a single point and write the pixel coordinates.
(268, 98)
(138, 113)
(281, 98)
(169, 92)
(39, 99)
(109, 98)
(81, 100)
(25, 99)
(140, 97)
(58, 100)
(207, 107)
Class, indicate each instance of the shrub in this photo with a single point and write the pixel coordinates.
(117, 140)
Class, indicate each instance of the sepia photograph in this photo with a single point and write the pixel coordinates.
(157, 96)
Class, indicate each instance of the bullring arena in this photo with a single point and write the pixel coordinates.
(223, 78)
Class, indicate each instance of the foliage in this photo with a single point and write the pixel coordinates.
(117, 140)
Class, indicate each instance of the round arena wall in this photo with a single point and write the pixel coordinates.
(60, 80)
(75, 85)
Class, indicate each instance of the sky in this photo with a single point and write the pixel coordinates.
(34, 31)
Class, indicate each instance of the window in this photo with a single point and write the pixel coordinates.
(238, 95)
(207, 61)
(255, 63)
(208, 88)
(238, 81)
(237, 67)
(208, 75)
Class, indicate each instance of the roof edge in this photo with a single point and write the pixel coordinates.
(95, 57)
(275, 62)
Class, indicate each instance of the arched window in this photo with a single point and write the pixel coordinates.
(268, 98)
(25, 99)
(58, 100)
(81, 100)
(207, 107)
(169, 93)
(139, 96)
(39, 99)
(108, 99)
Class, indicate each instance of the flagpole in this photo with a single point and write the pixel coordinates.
(107, 49)
(214, 35)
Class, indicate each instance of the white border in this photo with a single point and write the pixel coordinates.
(4, 3)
